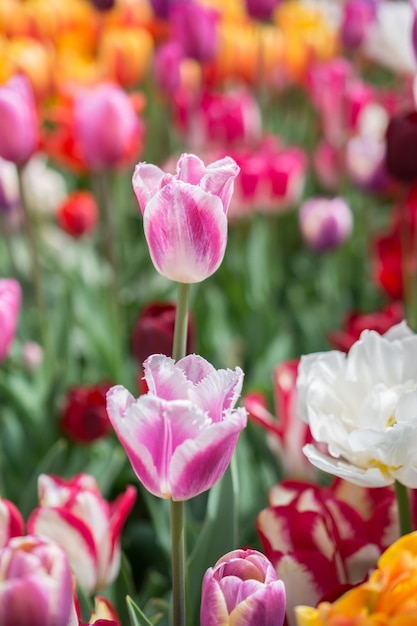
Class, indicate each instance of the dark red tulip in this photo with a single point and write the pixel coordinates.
(84, 416)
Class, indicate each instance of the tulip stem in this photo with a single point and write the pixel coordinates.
(35, 268)
(178, 563)
(403, 508)
(179, 348)
(177, 510)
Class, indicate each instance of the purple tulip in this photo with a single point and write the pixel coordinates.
(18, 120)
(242, 588)
(162, 8)
(261, 9)
(181, 435)
(185, 215)
(195, 28)
(325, 223)
(36, 587)
(10, 296)
(106, 126)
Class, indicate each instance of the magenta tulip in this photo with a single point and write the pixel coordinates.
(181, 435)
(10, 296)
(75, 514)
(242, 588)
(185, 215)
(194, 26)
(106, 126)
(18, 120)
(11, 522)
(36, 587)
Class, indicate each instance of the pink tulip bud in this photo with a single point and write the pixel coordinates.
(181, 435)
(75, 514)
(36, 587)
(242, 588)
(185, 215)
(325, 223)
(11, 522)
(106, 126)
(358, 16)
(167, 66)
(10, 295)
(18, 120)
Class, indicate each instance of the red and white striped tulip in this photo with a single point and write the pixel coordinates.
(75, 515)
(11, 522)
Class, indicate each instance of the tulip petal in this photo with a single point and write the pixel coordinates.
(186, 231)
(164, 379)
(69, 531)
(146, 180)
(219, 179)
(190, 169)
(195, 368)
(265, 606)
(218, 392)
(200, 462)
(213, 609)
(367, 477)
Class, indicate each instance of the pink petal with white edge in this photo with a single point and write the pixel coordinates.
(266, 606)
(190, 169)
(11, 522)
(213, 609)
(74, 536)
(218, 392)
(219, 179)
(147, 181)
(165, 378)
(186, 231)
(200, 462)
(195, 368)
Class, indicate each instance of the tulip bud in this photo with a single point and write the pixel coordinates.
(32, 355)
(325, 223)
(195, 27)
(358, 16)
(18, 120)
(78, 214)
(401, 147)
(36, 587)
(242, 588)
(106, 126)
(153, 332)
(84, 416)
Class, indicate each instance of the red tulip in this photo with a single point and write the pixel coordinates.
(78, 214)
(84, 416)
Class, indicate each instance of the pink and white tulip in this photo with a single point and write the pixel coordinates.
(181, 435)
(76, 516)
(185, 215)
(325, 223)
(36, 586)
(11, 522)
(242, 588)
(10, 296)
(18, 120)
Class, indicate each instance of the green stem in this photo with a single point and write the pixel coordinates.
(177, 509)
(178, 563)
(35, 268)
(179, 348)
(404, 514)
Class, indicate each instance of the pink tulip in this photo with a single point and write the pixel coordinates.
(357, 19)
(36, 587)
(167, 66)
(11, 522)
(75, 514)
(325, 223)
(181, 435)
(10, 295)
(318, 543)
(184, 215)
(242, 588)
(18, 120)
(106, 126)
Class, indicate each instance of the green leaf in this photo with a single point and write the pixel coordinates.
(218, 535)
(137, 617)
